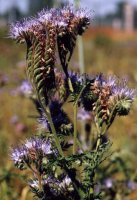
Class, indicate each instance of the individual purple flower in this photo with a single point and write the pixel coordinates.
(14, 119)
(47, 17)
(83, 13)
(18, 155)
(25, 88)
(102, 81)
(19, 29)
(78, 18)
(75, 77)
(84, 115)
(122, 97)
(83, 16)
(131, 185)
(123, 92)
(109, 81)
(38, 145)
(108, 183)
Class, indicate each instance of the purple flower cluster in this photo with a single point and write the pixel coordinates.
(104, 95)
(43, 33)
(118, 88)
(57, 186)
(64, 20)
(33, 149)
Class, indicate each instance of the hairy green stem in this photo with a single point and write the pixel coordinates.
(75, 120)
(36, 174)
(75, 129)
(70, 85)
(76, 185)
(98, 142)
(100, 132)
(80, 145)
(111, 118)
(48, 114)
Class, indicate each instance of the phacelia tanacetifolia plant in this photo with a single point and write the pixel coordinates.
(63, 166)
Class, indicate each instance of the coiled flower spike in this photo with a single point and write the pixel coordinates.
(108, 96)
(61, 26)
(40, 57)
(77, 21)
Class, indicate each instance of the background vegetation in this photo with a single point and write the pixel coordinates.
(105, 53)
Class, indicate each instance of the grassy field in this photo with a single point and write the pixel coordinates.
(102, 54)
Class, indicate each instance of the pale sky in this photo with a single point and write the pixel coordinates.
(7, 4)
(99, 6)
(104, 6)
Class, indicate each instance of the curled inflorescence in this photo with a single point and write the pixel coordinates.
(104, 96)
(50, 28)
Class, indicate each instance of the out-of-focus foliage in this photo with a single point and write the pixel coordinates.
(102, 41)
(38, 5)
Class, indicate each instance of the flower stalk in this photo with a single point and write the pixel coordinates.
(48, 114)
(75, 119)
